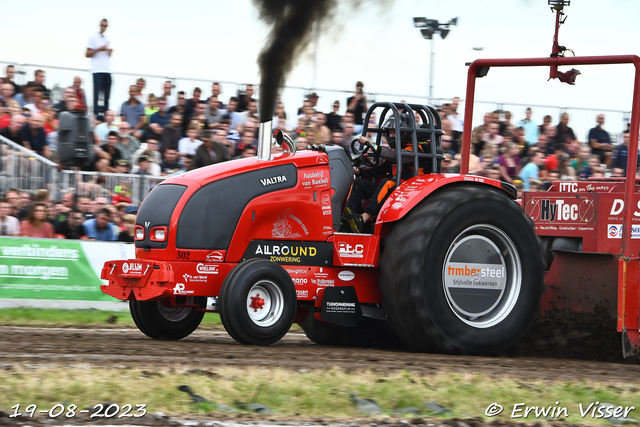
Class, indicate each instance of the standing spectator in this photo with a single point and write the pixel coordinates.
(530, 128)
(141, 97)
(189, 144)
(234, 116)
(99, 228)
(13, 132)
(102, 130)
(600, 141)
(71, 227)
(216, 91)
(181, 103)
(9, 225)
(457, 123)
(211, 150)
(172, 133)
(36, 224)
(151, 107)
(79, 93)
(166, 94)
(492, 135)
(531, 172)
(190, 106)
(357, 104)
(323, 133)
(251, 111)
(11, 73)
(546, 121)
(38, 83)
(127, 144)
(245, 98)
(212, 113)
(620, 154)
(564, 134)
(34, 134)
(334, 118)
(7, 92)
(478, 132)
(99, 51)
(132, 112)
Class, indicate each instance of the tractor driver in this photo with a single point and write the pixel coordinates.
(377, 193)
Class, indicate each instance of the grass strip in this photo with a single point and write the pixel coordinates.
(321, 393)
(80, 318)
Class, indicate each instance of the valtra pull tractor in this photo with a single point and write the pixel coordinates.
(451, 263)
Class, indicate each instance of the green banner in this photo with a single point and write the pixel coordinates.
(54, 269)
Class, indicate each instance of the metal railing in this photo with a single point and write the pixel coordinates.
(96, 184)
(25, 170)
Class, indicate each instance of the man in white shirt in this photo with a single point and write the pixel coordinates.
(99, 50)
(102, 130)
(9, 225)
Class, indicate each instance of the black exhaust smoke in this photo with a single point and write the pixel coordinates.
(291, 31)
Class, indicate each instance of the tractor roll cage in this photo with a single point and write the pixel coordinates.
(432, 126)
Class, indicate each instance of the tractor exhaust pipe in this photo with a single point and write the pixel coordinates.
(265, 132)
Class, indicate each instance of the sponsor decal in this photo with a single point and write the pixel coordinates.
(190, 278)
(179, 289)
(147, 224)
(468, 275)
(207, 268)
(296, 270)
(287, 252)
(614, 231)
(560, 210)
(569, 187)
(618, 207)
(326, 199)
(346, 276)
(341, 307)
(278, 179)
(134, 267)
(300, 293)
(396, 205)
(282, 227)
(215, 256)
(347, 251)
(35, 251)
(299, 280)
(319, 174)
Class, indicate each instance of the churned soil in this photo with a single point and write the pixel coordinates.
(541, 355)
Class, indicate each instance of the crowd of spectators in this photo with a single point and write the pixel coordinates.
(71, 217)
(163, 134)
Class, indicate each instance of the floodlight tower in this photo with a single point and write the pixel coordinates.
(429, 28)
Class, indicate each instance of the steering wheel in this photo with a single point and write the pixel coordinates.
(360, 156)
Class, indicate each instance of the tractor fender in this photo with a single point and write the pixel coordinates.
(414, 190)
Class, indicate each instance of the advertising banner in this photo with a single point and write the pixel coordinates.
(52, 269)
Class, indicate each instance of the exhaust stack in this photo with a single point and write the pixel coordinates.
(265, 132)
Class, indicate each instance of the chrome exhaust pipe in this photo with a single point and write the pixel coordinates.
(265, 132)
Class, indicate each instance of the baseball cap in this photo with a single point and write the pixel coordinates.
(122, 162)
(143, 158)
(131, 209)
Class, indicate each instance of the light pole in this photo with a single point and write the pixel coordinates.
(429, 28)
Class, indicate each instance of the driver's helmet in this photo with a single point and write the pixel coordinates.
(390, 124)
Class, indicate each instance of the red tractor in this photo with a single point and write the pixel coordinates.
(452, 261)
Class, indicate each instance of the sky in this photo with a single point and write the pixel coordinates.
(375, 43)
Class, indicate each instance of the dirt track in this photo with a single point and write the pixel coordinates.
(129, 347)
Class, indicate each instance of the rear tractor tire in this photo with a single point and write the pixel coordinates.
(258, 302)
(462, 273)
(160, 320)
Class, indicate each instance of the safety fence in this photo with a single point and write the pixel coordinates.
(25, 170)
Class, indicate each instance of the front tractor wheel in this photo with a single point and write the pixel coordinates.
(258, 302)
(463, 272)
(163, 319)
